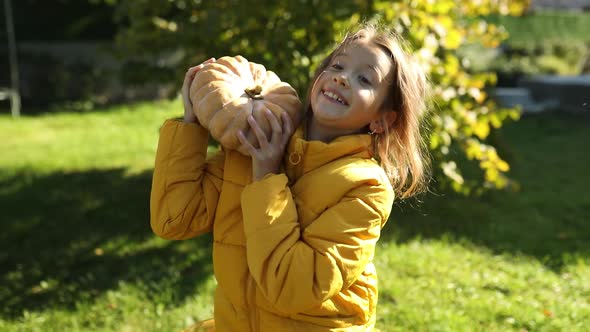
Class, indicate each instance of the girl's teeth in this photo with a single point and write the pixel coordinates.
(333, 96)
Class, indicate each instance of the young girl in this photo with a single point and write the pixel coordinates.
(295, 224)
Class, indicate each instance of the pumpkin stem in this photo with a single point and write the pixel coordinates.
(254, 92)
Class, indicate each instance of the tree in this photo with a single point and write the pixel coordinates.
(464, 116)
(291, 36)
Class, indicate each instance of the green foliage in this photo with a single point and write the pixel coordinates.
(463, 116)
(285, 36)
(563, 25)
(556, 56)
(49, 80)
(63, 20)
(290, 37)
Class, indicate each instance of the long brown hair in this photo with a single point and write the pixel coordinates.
(400, 149)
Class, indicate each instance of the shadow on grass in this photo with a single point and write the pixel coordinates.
(69, 237)
(548, 218)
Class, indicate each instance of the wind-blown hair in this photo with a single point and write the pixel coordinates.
(400, 149)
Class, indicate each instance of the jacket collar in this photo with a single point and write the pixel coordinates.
(313, 154)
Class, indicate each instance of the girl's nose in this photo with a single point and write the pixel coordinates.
(340, 80)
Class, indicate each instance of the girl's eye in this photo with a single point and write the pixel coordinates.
(337, 66)
(364, 80)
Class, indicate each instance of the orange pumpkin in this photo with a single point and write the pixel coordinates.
(225, 92)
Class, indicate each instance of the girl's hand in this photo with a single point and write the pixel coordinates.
(267, 159)
(189, 116)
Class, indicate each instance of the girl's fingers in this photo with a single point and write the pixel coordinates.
(287, 128)
(189, 77)
(186, 90)
(188, 80)
(251, 149)
(192, 71)
(277, 131)
(260, 135)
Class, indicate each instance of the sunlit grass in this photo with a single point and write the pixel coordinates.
(449, 285)
(122, 136)
(546, 24)
(77, 253)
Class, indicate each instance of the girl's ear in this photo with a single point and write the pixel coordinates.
(386, 120)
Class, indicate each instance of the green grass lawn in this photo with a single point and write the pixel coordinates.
(77, 253)
(545, 24)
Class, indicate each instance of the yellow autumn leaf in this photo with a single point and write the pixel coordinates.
(491, 174)
(453, 39)
(473, 150)
(502, 165)
(481, 129)
(477, 94)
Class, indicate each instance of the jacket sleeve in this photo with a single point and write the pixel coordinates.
(297, 270)
(185, 186)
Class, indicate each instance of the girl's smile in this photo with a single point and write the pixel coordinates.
(335, 97)
(350, 93)
(311, 203)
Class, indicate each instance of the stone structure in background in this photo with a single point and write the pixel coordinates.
(563, 93)
(550, 92)
(560, 4)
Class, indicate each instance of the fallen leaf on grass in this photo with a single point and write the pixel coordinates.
(547, 313)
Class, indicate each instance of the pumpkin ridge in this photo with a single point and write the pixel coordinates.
(237, 122)
(245, 70)
(233, 121)
(281, 88)
(271, 78)
(258, 73)
(226, 76)
(235, 66)
(212, 71)
(285, 101)
(224, 102)
(268, 104)
(281, 98)
(295, 116)
(224, 93)
(205, 88)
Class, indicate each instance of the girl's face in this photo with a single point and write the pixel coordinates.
(348, 95)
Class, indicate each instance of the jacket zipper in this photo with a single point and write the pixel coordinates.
(251, 303)
(296, 159)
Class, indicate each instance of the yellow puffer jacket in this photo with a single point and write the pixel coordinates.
(291, 252)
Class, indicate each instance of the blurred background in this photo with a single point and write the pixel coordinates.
(501, 242)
